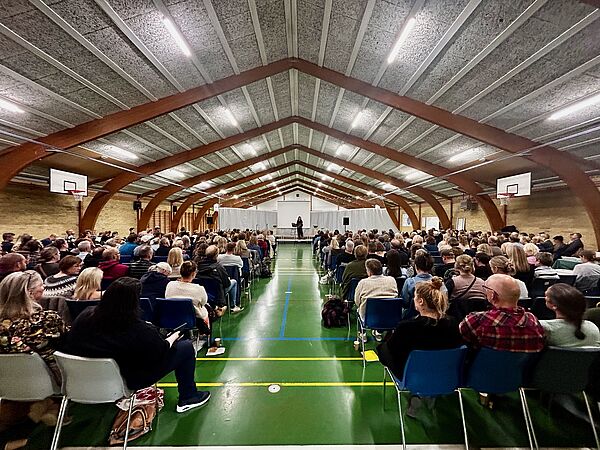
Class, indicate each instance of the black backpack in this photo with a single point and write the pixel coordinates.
(334, 314)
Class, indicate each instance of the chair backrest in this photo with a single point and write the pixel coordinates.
(25, 377)
(352, 288)
(90, 380)
(245, 265)
(568, 279)
(125, 259)
(333, 262)
(564, 370)
(540, 310)
(105, 283)
(172, 312)
(400, 283)
(434, 372)
(539, 285)
(437, 260)
(233, 272)
(147, 309)
(339, 273)
(592, 300)
(212, 286)
(383, 313)
(526, 302)
(76, 307)
(498, 372)
(157, 259)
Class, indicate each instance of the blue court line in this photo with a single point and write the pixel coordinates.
(287, 339)
(285, 309)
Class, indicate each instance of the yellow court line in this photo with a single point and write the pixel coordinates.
(282, 359)
(284, 384)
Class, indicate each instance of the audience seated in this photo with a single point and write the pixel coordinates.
(24, 326)
(88, 284)
(241, 249)
(7, 242)
(354, 269)
(573, 247)
(588, 272)
(110, 265)
(372, 253)
(229, 258)
(505, 326)
(48, 262)
(502, 266)
(423, 264)
(481, 261)
(95, 258)
(164, 246)
(523, 270)
(465, 291)
(175, 260)
(114, 329)
(394, 264)
(208, 267)
(63, 283)
(347, 256)
(531, 250)
(129, 246)
(376, 285)
(154, 282)
(138, 268)
(185, 288)
(543, 266)
(431, 329)
(84, 249)
(568, 329)
(448, 261)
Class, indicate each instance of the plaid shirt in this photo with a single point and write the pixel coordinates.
(507, 329)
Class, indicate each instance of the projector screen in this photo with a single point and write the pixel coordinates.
(288, 212)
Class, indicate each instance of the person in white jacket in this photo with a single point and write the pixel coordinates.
(185, 288)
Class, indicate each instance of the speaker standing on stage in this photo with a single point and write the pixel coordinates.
(299, 224)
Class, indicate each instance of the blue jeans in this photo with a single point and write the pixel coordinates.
(232, 291)
(182, 360)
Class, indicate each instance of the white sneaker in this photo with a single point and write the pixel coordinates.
(362, 336)
(377, 335)
(236, 309)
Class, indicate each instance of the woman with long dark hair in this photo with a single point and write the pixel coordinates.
(568, 329)
(114, 329)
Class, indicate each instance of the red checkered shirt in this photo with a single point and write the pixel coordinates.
(510, 329)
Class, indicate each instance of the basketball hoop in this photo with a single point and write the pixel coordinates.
(77, 195)
(505, 197)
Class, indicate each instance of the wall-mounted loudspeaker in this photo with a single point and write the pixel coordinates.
(209, 220)
(346, 221)
(174, 209)
(137, 205)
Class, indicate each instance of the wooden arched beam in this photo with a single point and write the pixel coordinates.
(198, 217)
(395, 217)
(425, 194)
(162, 194)
(92, 212)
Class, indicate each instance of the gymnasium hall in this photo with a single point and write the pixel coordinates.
(316, 224)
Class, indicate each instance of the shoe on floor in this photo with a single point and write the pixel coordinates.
(200, 399)
(377, 335)
(236, 309)
(220, 311)
(362, 336)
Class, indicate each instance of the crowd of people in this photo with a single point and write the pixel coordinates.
(464, 288)
(119, 272)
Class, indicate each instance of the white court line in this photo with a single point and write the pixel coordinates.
(328, 447)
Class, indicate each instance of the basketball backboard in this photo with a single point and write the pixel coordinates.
(517, 185)
(62, 182)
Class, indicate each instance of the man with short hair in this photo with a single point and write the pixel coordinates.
(448, 261)
(210, 268)
(84, 248)
(506, 326)
(111, 266)
(543, 267)
(10, 263)
(493, 243)
(139, 268)
(574, 246)
(129, 247)
(348, 255)
(7, 242)
(376, 285)
(355, 269)
(559, 246)
(228, 258)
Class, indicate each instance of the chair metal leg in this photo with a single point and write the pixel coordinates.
(131, 402)
(528, 420)
(384, 381)
(587, 405)
(401, 418)
(59, 422)
(360, 338)
(462, 416)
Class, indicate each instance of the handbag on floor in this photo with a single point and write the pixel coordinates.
(147, 403)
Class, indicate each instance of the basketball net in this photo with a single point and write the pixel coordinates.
(505, 197)
(77, 195)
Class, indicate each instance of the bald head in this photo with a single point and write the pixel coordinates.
(503, 292)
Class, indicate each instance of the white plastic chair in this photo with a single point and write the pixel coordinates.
(90, 381)
(25, 377)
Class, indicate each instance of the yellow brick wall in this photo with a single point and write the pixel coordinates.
(32, 209)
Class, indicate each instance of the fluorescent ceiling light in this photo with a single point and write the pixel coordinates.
(268, 176)
(326, 178)
(171, 173)
(231, 117)
(370, 193)
(273, 184)
(222, 192)
(414, 175)
(319, 184)
(235, 196)
(258, 166)
(204, 185)
(463, 155)
(251, 149)
(407, 29)
(177, 36)
(334, 166)
(357, 119)
(114, 151)
(5, 104)
(575, 107)
(341, 149)
(389, 187)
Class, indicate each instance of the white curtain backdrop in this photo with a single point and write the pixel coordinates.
(230, 218)
(367, 218)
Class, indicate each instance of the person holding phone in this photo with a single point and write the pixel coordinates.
(114, 329)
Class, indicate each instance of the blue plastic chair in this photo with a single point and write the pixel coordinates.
(539, 285)
(172, 312)
(213, 289)
(380, 314)
(567, 279)
(147, 309)
(233, 272)
(561, 370)
(500, 372)
(352, 288)
(105, 283)
(430, 373)
(125, 259)
(540, 310)
(400, 283)
(76, 307)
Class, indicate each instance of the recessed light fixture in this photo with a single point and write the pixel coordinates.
(326, 178)
(407, 29)
(357, 119)
(319, 184)
(177, 36)
(578, 106)
(5, 104)
(231, 117)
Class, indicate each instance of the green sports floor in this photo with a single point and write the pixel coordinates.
(325, 396)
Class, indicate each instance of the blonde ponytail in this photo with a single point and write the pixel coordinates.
(432, 295)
